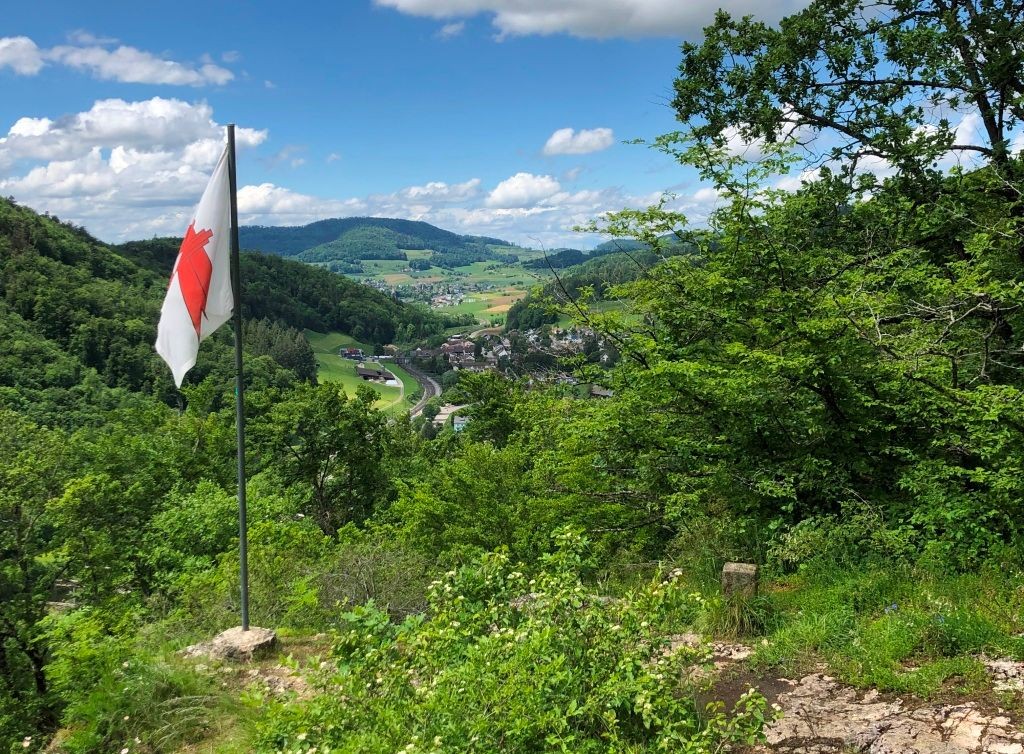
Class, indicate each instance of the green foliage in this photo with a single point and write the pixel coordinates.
(507, 663)
(300, 579)
(473, 503)
(878, 79)
(285, 563)
(304, 297)
(285, 345)
(141, 704)
(332, 445)
(591, 279)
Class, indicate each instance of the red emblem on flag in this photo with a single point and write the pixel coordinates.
(194, 272)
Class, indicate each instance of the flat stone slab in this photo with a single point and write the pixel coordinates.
(822, 715)
(236, 644)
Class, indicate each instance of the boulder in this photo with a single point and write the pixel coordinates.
(236, 644)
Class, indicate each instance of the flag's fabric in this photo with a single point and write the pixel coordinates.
(199, 296)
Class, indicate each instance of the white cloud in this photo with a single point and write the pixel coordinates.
(595, 18)
(131, 65)
(289, 154)
(454, 29)
(90, 53)
(332, 157)
(522, 190)
(136, 169)
(21, 55)
(584, 141)
(122, 169)
(270, 203)
(156, 122)
(438, 191)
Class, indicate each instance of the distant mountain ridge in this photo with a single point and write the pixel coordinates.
(341, 243)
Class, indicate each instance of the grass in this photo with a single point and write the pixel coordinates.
(488, 306)
(333, 368)
(894, 629)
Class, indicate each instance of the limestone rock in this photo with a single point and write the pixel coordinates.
(1006, 674)
(739, 580)
(822, 715)
(236, 644)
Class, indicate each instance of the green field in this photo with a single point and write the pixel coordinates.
(333, 368)
(602, 307)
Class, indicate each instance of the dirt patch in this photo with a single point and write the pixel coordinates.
(279, 680)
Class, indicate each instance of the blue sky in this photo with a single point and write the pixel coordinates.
(438, 110)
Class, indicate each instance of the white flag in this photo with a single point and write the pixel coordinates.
(199, 296)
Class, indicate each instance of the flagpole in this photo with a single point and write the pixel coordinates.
(236, 290)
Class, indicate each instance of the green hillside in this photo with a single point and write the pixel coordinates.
(79, 319)
(306, 297)
(342, 242)
(611, 263)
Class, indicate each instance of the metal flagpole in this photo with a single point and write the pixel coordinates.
(236, 291)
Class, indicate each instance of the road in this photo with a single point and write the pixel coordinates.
(430, 389)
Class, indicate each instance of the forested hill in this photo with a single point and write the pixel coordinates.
(78, 319)
(559, 259)
(609, 264)
(303, 296)
(347, 240)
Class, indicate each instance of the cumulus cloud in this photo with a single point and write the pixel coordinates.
(118, 167)
(595, 18)
(21, 55)
(93, 55)
(584, 141)
(156, 122)
(522, 190)
(136, 169)
(131, 65)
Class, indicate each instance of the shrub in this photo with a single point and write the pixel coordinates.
(512, 664)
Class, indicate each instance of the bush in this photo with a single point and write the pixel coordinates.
(512, 664)
(859, 534)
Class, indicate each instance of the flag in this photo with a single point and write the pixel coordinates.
(199, 296)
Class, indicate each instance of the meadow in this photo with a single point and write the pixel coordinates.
(333, 368)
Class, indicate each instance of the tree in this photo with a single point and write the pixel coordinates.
(854, 342)
(34, 465)
(332, 446)
(885, 80)
(492, 405)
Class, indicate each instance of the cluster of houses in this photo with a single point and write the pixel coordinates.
(485, 354)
